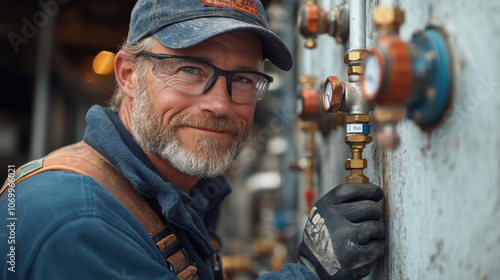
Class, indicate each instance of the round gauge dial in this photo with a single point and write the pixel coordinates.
(332, 92)
(373, 76)
(299, 105)
(327, 96)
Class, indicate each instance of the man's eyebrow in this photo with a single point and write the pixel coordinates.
(234, 68)
(246, 68)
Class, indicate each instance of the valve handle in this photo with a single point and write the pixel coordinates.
(307, 104)
(311, 22)
(332, 94)
(308, 199)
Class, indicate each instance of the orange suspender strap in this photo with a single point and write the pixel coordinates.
(82, 159)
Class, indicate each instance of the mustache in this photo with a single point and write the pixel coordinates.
(207, 121)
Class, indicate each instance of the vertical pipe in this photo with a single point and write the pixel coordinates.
(357, 24)
(41, 97)
(291, 192)
(391, 3)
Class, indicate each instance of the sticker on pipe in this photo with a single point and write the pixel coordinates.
(354, 128)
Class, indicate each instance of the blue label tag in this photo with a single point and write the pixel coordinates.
(354, 128)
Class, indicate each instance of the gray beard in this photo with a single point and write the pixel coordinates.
(204, 162)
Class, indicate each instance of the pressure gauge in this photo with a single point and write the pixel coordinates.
(299, 105)
(373, 76)
(327, 96)
(388, 72)
(332, 94)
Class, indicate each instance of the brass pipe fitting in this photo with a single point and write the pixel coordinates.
(355, 55)
(388, 19)
(307, 80)
(355, 70)
(236, 264)
(309, 128)
(354, 60)
(358, 119)
(388, 117)
(357, 138)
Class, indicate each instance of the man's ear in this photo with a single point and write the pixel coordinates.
(126, 75)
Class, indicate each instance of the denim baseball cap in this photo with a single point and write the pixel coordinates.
(179, 24)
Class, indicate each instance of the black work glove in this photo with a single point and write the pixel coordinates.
(344, 235)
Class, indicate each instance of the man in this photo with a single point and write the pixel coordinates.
(188, 78)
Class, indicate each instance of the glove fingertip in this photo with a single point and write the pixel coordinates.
(346, 193)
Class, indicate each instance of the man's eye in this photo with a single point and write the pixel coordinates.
(243, 79)
(190, 69)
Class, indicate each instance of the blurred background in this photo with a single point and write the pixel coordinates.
(46, 69)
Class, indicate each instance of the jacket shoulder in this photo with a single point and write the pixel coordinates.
(46, 202)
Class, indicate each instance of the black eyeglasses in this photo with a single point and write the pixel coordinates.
(195, 76)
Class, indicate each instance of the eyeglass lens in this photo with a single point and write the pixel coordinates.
(191, 76)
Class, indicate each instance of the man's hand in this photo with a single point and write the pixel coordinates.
(344, 235)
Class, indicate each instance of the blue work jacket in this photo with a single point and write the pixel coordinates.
(63, 225)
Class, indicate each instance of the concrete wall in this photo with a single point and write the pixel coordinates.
(442, 205)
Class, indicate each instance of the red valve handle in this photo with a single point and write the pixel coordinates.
(308, 199)
(310, 103)
(309, 25)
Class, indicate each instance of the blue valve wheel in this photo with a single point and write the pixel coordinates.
(432, 75)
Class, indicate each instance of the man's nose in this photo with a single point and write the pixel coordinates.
(216, 99)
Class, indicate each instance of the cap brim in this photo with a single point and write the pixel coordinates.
(189, 33)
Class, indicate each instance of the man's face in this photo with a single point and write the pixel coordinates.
(199, 135)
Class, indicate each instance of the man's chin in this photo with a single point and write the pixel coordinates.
(205, 161)
(202, 142)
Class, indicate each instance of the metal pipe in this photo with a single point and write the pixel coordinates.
(357, 108)
(41, 100)
(391, 3)
(357, 24)
(354, 102)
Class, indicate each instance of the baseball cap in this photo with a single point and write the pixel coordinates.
(179, 24)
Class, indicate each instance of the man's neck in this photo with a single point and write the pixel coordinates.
(172, 175)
